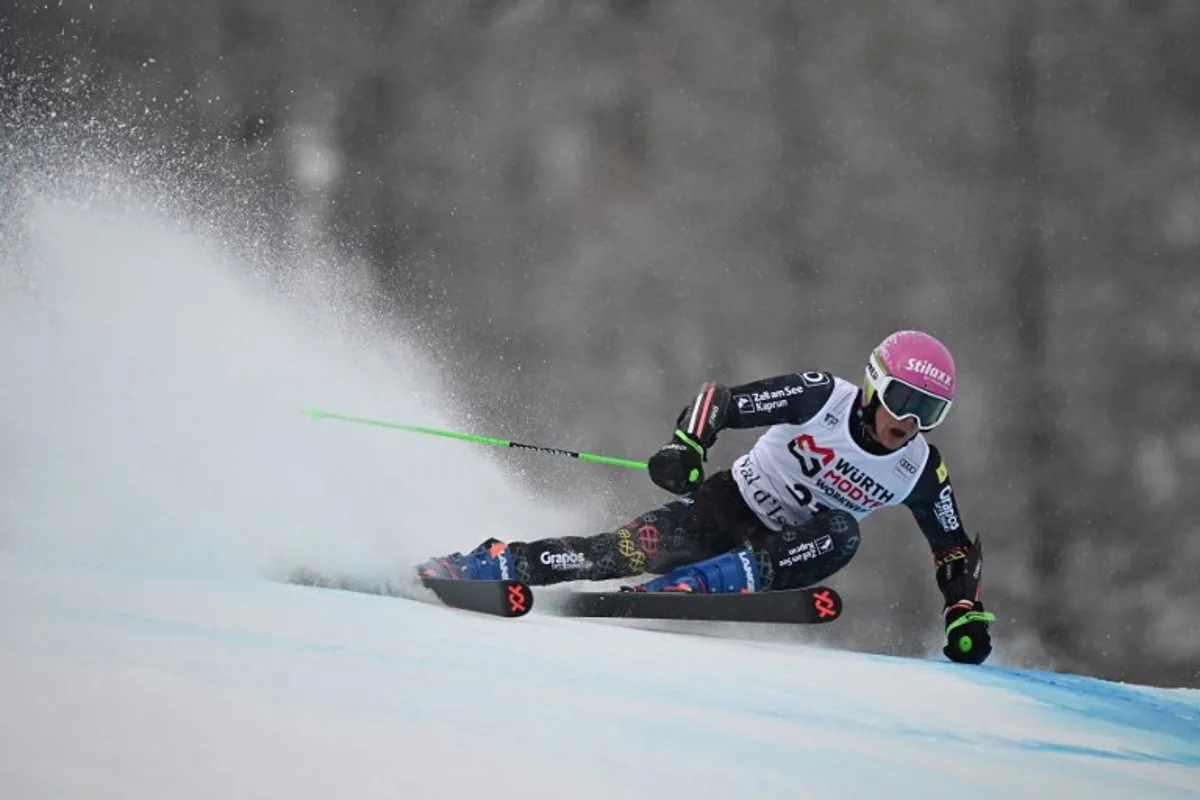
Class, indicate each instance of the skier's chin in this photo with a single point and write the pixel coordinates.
(891, 433)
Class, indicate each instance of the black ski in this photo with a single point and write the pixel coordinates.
(498, 598)
(812, 605)
(510, 598)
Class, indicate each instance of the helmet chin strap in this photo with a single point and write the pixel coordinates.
(866, 422)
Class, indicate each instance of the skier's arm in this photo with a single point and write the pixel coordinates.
(793, 398)
(936, 511)
(933, 505)
(678, 465)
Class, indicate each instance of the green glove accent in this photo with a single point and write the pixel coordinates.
(970, 616)
(683, 437)
(965, 643)
(694, 476)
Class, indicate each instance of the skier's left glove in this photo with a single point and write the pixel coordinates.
(959, 571)
(967, 638)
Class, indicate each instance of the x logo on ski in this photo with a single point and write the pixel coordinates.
(824, 605)
(517, 602)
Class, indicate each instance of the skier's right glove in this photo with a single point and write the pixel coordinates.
(678, 466)
(967, 637)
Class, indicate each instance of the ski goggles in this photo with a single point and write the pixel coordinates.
(905, 400)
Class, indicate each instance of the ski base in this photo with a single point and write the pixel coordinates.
(811, 605)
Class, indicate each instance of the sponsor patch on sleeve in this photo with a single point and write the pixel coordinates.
(942, 472)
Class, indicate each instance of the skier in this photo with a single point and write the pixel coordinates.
(786, 514)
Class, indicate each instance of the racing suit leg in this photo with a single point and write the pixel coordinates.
(710, 520)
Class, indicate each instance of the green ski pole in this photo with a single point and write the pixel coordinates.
(316, 413)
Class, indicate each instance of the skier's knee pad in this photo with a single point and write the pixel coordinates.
(809, 553)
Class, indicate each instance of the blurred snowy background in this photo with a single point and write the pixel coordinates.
(578, 211)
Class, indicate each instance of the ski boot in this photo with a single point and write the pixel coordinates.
(490, 561)
(729, 573)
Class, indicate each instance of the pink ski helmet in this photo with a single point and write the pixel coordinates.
(912, 373)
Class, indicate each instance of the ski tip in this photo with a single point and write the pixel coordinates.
(503, 598)
(519, 598)
(826, 604)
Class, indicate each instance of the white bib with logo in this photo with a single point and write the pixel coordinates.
(794, 470)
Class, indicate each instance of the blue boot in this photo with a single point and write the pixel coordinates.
(491, 561)
(728, 573)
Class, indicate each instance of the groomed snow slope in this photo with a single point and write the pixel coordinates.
(126, 684)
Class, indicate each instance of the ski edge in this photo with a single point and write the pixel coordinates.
(503, 598)
(814, 605)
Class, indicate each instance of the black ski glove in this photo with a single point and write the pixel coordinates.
(967, 637)
(959, 572)
(678, 466)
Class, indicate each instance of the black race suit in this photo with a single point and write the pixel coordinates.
(714, 518)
